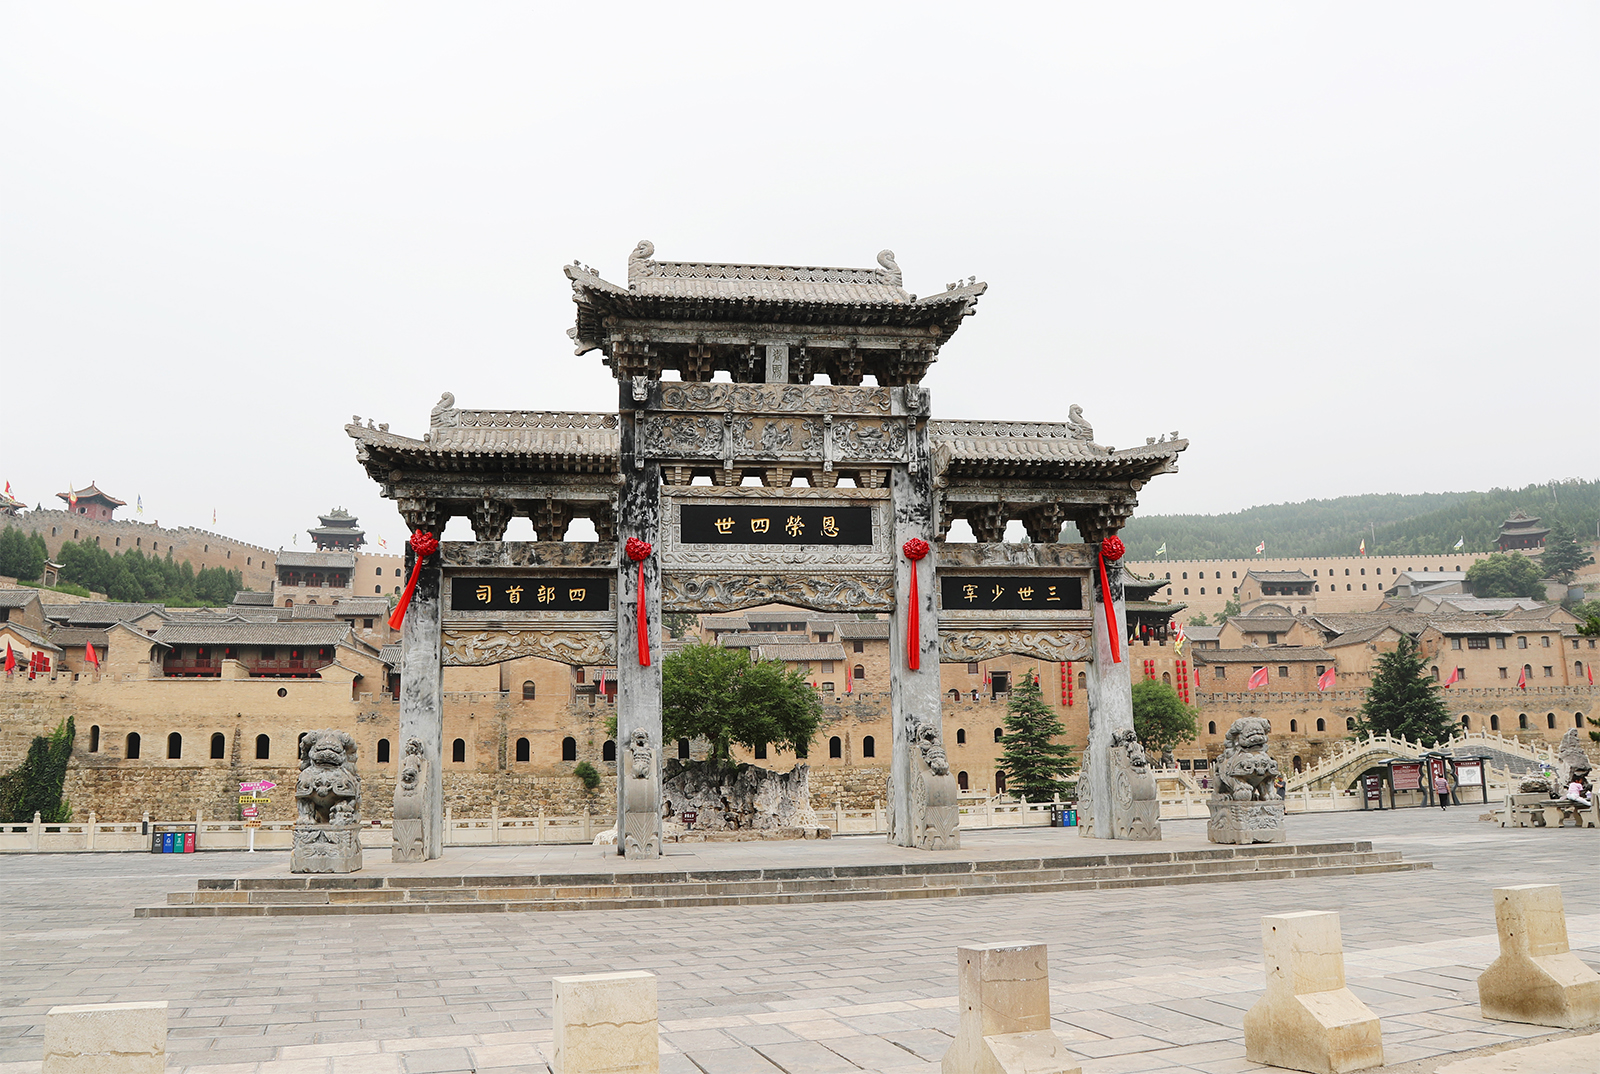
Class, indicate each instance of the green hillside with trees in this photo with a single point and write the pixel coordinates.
(1391, 524)
(132, 575)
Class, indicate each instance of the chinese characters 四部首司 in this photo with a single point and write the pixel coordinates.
(526, 594)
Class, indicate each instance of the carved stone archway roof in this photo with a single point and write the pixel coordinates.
(479, 439)
(1041, 450)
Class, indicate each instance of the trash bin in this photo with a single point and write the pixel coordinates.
(1071, 820)
(173, 838)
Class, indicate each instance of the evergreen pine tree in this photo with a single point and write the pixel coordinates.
(1562, 554)
(1403, 699)
(1036, 766)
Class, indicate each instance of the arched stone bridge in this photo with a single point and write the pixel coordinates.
(1344, 766)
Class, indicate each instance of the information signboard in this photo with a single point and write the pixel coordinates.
(1469, 774)
(1407, 776)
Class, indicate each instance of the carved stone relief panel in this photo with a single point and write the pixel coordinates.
(601, 555)
(961, 646)
(474, 648)
(700, 591)
(959, 554)
(775, 398)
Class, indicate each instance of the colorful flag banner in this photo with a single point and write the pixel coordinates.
(1460, 542)
(1363, 549)
(1327, 679)
(1261, 549)
(1451, 681)
(139, 506)
(1522, 678)
(1162, 550)
(89, 655)
(72, 497)
(1258, 679)
(11, 659)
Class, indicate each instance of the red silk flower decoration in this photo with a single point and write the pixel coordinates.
(639, 551)
(424, 544)
(1111, 550)
(914, 549)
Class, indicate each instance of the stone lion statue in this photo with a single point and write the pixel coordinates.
(328, 791)
(1245, 771)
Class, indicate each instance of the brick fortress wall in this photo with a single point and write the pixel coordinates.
(200, 547)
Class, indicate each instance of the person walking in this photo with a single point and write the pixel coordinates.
(1441, 788)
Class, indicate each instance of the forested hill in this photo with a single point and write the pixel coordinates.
(1391, 524)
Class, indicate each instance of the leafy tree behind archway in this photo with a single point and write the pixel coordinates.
(1036, 765)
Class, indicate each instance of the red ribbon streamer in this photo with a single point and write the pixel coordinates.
(639, 551)
(914, 549)
(1111, 549)
(424, 544)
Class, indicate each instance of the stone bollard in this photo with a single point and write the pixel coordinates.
(106, 1038)
(605, 1023)
(1537, 978)
(1308, 1019)
(1005, 1014)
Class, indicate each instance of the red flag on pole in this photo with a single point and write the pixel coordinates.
(1258, 679)
(11, 659)
(1522, 678)
(1326, 680)
(89, 655)
(1451, 681)
(1590, 672)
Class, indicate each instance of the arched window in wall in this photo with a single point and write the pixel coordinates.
(131, 748)
(219, 746)
(263, 748)
(869, 748)
(569, 749)
(383, 751)
(175, 746)
(608, 752)
(458, 751)
(835, 748)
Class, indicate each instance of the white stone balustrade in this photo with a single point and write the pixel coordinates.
(1537, 979)
(106, 1038)
(1308, 1019)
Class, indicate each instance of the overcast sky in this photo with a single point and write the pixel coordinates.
(1343, 248)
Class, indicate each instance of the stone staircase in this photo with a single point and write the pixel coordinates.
(356, 894)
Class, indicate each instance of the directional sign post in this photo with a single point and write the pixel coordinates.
(248, 798)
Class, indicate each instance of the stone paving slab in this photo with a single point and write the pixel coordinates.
(1167, 970)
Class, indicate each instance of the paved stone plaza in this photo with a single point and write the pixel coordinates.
(1144, 979)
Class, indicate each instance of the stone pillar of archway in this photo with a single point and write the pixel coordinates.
(422, 692)
(1120, 789)
(922, 805)
(638, 687)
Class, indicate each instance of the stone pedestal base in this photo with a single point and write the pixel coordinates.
(326, 848)
(1245, 822)
(1005, 1014)
(1537, 979)
(408, 844)
(606, 1022)
(129, 1038)
(1307, 1019)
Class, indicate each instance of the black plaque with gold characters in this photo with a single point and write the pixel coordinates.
(1010, 593)
(543, 594)
(775, 524)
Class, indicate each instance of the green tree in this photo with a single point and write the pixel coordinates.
(1160, 718)
(1563, 556)
(22, 555)
(1198, 620)
(35, 785)
(1404, 700)
(1505, 574)
(1229, 610)
(1036, 765)
(720, 695)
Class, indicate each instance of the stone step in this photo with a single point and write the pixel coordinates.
(611, 891)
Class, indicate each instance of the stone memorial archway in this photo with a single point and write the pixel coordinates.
(858, 486)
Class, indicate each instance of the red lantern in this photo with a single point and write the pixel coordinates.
(424, 544)
(639, 551)
(914, 549)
